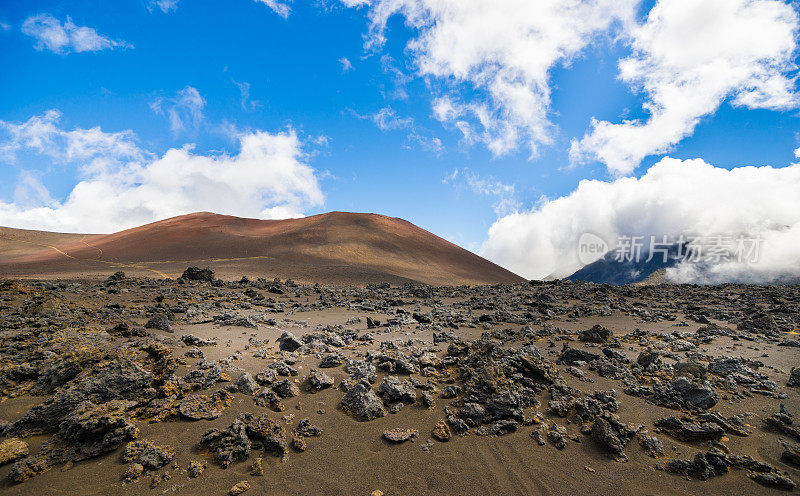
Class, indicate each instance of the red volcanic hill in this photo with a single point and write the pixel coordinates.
(332, 248)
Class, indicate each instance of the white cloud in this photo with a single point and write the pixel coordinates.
(494, 57)
(121, 185)
(4, 26)
(504, 194)
(244, 90)
(281, 7)
(387, 120)
(92, 147)
(184, 110)
(58, 37)
(347, 66)
(688, 58)
(166, 6)
(674, 197)
(428, 143)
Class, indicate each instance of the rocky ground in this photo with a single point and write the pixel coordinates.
(202, 386)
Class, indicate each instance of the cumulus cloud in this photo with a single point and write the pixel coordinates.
(166, 6)
(121, 185)
(64, 37)
(688, 58)
(184, 110)
(494, 57)
(281, 7)
(690, 198)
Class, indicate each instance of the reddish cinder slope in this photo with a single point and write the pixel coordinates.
(336, 247)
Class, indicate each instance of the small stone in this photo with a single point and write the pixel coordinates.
(204, 406)
(441, 432)
(362, 403)
(148, 454)
(159, 322)
(538, 436)
(288, 342)
(597, 334)
(239, 488)
(400, 435)
(133, 473)
(773, 480)
(299, 443)
(286, 389)
(198, 274)
(246, 384)
(12, 449)
(794, 377)
(257, 468)
(318, 380)
(196, 469)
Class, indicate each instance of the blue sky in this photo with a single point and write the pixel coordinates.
(256, 70)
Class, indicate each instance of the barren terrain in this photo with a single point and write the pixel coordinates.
(206, 386)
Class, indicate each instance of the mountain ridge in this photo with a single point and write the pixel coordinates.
(334, 247)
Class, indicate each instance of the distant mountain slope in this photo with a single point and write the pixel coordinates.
(610, 271)
(336, 247)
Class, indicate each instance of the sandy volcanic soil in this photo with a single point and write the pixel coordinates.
(45, 326)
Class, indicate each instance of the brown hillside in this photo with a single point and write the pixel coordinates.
(336, 247)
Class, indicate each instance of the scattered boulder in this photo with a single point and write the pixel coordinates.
(246, 384)
(597, 334)
(690, 431)
(612, 436)
(361, 370)
(400, 435)
(782, 422)
(196, 469)
(12, 450)
(288, 342)
(361, 403)
(192, 340)
(771, 479)
(234, 320)
(395, 391)
(257, 468)
(441, 432)
(791, 453)
(198, 274)
(147, 454)
(572, 356)
(269, 433)
(205, 406)
(682, 393)
(794, 377)
(331, 360)
(286, 388)
(92, 430)
(159, 322)
(239, 488)
(133, 473)
(306, 429)
(318, 380)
